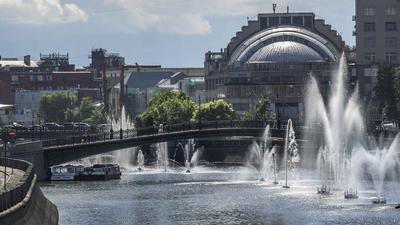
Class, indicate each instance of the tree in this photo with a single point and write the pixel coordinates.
(215, 110)
(98, 116)
(260, 112)
(86, 108)
(166, 107)
(55, 107)
(385, 92)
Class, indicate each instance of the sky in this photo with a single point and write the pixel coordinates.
(171, 33)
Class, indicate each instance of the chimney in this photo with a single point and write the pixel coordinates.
(27, 60)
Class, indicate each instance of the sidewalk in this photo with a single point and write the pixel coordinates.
(12, 178)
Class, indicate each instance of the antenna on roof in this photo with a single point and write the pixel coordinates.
(287, 9)
(274, 7)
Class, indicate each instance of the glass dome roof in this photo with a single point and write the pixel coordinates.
(286, 51)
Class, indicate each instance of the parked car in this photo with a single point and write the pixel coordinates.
(104, 128)
(53, 126)
(82, 126)
(38, 128)
(69, 126)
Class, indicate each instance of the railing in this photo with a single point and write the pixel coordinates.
(152, 131)
(17, 193)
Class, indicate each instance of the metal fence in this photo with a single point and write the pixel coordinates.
(17, 193)
(151, 131)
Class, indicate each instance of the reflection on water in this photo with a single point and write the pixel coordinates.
(211, 197)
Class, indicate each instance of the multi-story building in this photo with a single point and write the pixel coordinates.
(274, 56)
(377, 39)
(51, 72)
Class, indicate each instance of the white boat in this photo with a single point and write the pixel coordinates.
(101, 172)
(66, 172)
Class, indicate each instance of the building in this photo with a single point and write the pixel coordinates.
(51, 72)
(377, 39)
(141, 86)
(273, 56)
(6, 114)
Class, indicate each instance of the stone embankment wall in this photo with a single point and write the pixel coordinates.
(25, 203)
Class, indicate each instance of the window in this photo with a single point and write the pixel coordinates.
(286, 20)
(391, 42)
(369, 12)
(391, 56)
(369, 27)
(40, 78)
(273, 21)
(298, 20)
(370, 42)
(49, 77)
(369, 56)
(264, 22)
(391, 11)
(14, 77)
(308, 21)
(391, 26)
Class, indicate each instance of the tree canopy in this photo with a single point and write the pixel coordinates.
(215, 110)
(56, 107)
(167, 107)
(260, 112)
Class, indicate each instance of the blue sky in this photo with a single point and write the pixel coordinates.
(166, 32)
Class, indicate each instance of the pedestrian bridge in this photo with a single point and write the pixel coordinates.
(64, 150)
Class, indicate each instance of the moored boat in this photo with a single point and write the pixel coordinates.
(101, 172)
(66, 172)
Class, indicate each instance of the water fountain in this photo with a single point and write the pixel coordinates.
(291, 157)
(186, 152)
(162, 155)
(343, 130)
(140, 160)
(263, 157)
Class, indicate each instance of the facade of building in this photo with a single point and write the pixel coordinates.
(51, 72)
(377, 39)
(274, 56)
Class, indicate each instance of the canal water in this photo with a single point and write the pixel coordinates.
(211, 196)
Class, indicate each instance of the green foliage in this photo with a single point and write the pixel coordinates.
(56, 107)
(387, 92)
(63, 107)
(86, 108)
(166, 107)
(260, 112)
(215, 110)
(97, 116)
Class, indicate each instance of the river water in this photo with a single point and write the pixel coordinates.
(212, 196)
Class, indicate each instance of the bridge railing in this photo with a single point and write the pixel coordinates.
(151, 131)
(16, 193)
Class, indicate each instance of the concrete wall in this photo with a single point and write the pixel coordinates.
(35, 210)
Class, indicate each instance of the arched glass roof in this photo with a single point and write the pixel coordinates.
(285, 38)
(286, 51)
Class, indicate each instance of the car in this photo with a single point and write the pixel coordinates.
(53, 126)
(19, 127)
(69, 126)
(104, 128)
(38, 128)
(82, 126)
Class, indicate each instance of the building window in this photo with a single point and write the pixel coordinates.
(308, 21)
(391, 56)
(14, 77)
(369, 12)
(298, 20)
(369, 56)
(273, 21)
(391, 11)
(49, 77)
(369, 42)
(286, 20)
(369, 27)
(391, 42)
(40, 78)
(391, 26)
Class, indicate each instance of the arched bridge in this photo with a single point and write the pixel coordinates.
(64, 150)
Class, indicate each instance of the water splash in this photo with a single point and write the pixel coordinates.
(140, 160)
(162, 156)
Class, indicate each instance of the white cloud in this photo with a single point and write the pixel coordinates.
(40, 12)
(191, 17)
